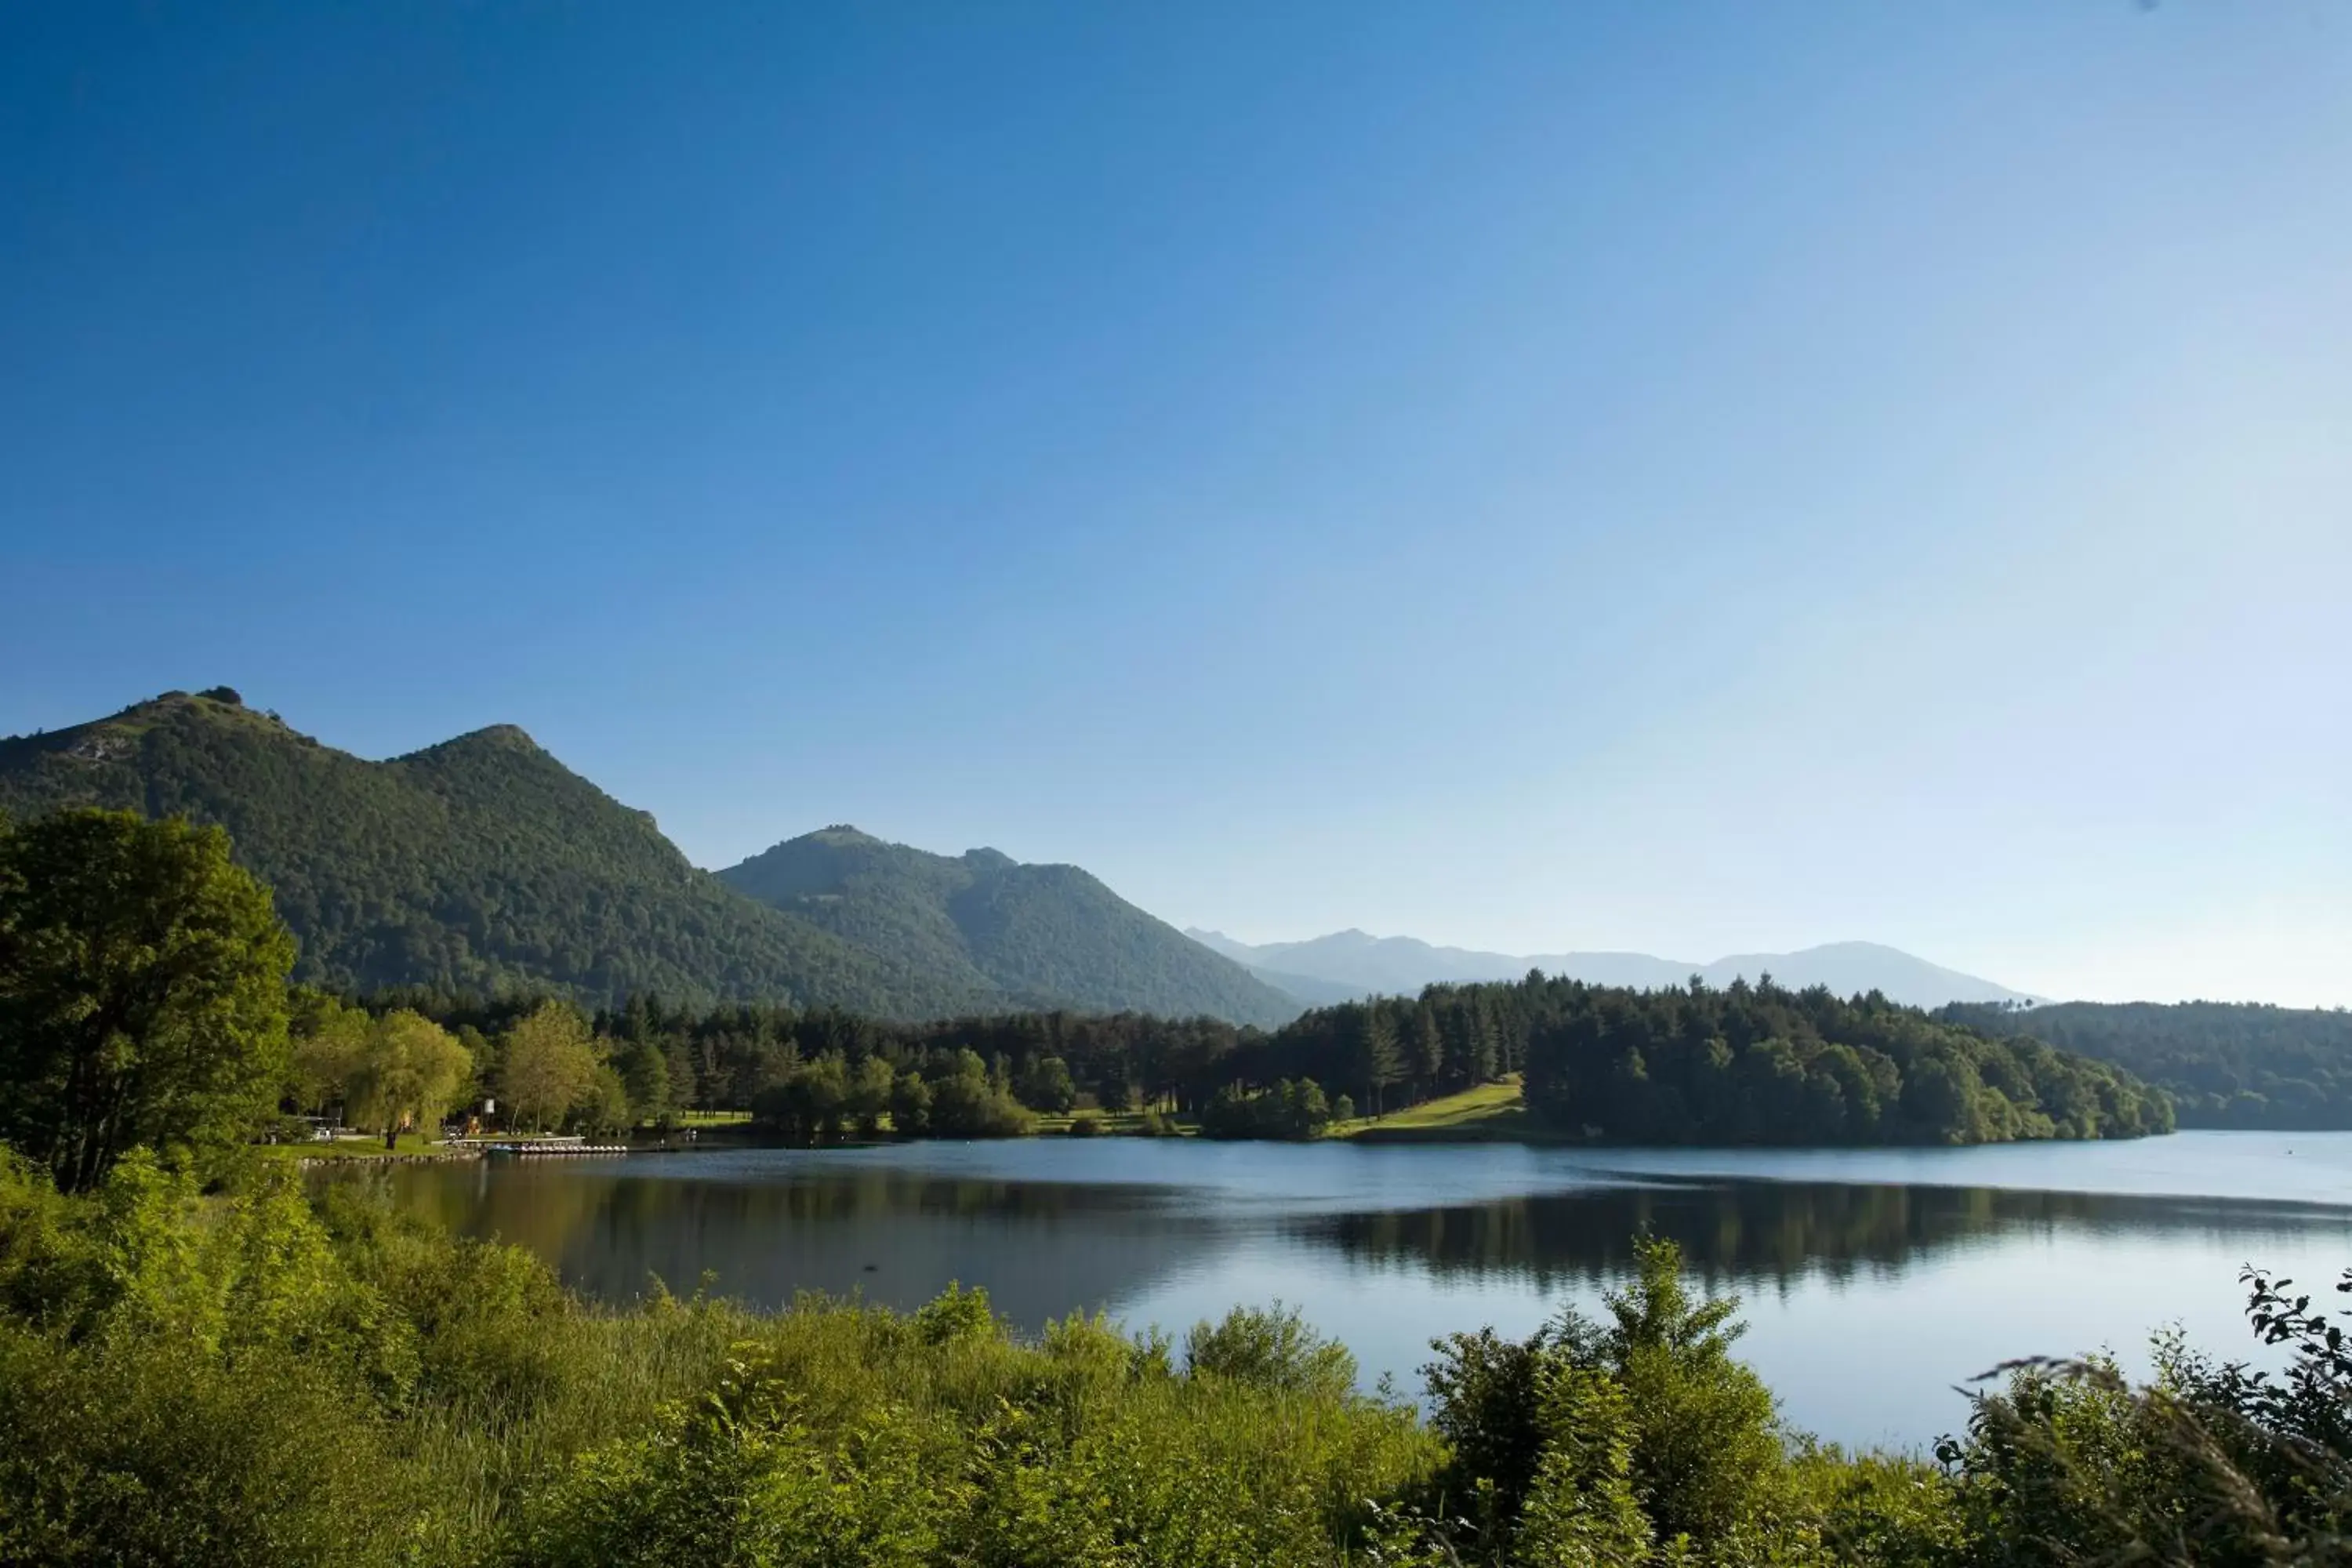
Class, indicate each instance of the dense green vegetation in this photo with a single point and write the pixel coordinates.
(1032, 935)
(1762, 1064)
(1741, 1064)
(1744, 1065)
(2225, 1064)
(263, 1376)
(484, 865)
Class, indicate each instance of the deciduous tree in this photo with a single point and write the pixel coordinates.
(143, 990)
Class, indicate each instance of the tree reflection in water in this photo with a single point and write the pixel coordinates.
(1045, 1248)
(1747, 1235)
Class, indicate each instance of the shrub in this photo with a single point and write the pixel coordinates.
(1270, 1348)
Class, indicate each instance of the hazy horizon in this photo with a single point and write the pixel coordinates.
(1690, 483)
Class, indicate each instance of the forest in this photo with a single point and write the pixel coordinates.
(2225, 1064)
(1740, 1065)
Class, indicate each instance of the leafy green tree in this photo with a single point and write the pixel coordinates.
(602, 1106)
(409, 1070)
(142, 991)
(870, 1089)
(811, 1101)
(547, 1065)
(1046, 1084)
(644, 1074)
(328, 1039)
(965, 1104)
(911, 1105)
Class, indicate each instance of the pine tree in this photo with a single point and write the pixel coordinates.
(1428, 1050)
(1377, 1061)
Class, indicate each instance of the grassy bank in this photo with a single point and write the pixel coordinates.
(1489, 1113)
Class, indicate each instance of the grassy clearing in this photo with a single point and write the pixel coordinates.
(1492, 1112)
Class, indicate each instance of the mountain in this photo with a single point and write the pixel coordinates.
(1402, 965)
(480, 864)
(1304, 988)
(1025, 935)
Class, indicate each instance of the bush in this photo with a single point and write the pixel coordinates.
(967, 1106)
(1086, 1124)
(1270, 1348)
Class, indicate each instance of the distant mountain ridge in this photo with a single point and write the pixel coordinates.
(1036, 935)
(1401, 965)
(484, 865)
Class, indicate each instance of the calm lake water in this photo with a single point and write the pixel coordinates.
(1873, 1280)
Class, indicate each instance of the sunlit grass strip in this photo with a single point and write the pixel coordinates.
(1488, 1111)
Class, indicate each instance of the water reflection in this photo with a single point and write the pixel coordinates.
(1871, 1292)
(891, 1235)
(897, 1230)
(1746, 1235)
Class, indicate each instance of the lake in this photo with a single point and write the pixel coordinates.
(1873, 1280)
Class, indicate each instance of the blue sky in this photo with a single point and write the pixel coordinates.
(1695, 479)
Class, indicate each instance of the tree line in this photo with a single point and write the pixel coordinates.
(144, 999)
(1744, 1064)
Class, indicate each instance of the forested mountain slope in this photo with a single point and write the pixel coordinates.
(1032, 935)
(483, 865)
(2226, 1064)
(480, 864)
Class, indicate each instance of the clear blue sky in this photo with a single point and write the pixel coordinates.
(1687, 478)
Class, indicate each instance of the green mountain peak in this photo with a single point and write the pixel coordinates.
(482, 864)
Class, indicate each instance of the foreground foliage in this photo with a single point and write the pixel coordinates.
(248, 1378)
(191, 1379)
